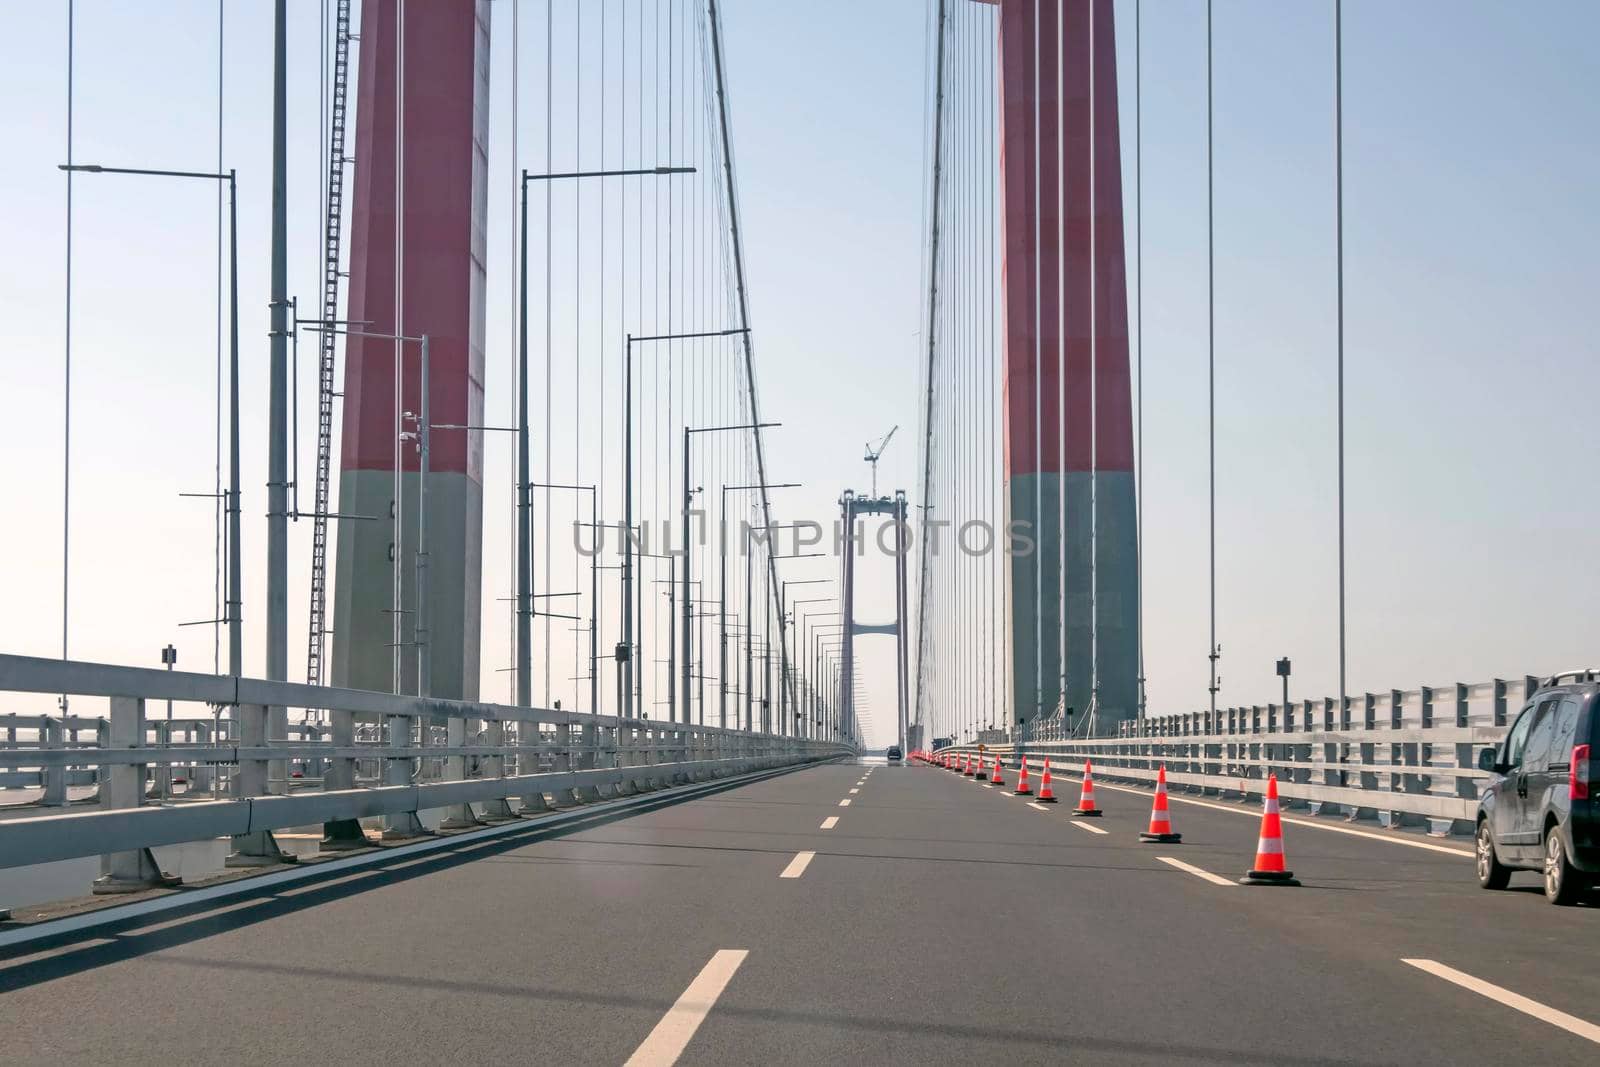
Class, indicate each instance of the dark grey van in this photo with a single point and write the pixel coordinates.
(1539, 811)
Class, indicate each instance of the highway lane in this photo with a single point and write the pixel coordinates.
(935, 920)
(568, 949)
(995, 930)
(1402, 890)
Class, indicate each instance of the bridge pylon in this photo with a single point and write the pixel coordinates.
(851, 508)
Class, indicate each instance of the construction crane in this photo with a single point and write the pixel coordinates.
(874, 453)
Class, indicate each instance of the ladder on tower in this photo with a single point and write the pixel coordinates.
(333, 224)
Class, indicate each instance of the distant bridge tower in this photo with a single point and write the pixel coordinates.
(852, 507)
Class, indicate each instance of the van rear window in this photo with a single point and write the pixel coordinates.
(1566, 726)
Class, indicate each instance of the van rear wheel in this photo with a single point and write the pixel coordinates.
(1492, 874)
(1561, 883)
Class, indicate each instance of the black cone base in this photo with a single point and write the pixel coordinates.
(980, 776)
(1080, 813)
(1160, 839)
(1269, 878)
(1022, 792)
(1044, 800)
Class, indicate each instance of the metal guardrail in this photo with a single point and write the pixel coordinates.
(566, 755)
(1405, 757)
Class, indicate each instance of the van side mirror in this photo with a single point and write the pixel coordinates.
(1486, 759)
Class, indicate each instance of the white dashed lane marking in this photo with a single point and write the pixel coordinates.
(1214, 879)
(797, 866)
(673, 1033)
(1545, 1014)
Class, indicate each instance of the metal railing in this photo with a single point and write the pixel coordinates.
(1403, 757)
(410, 754)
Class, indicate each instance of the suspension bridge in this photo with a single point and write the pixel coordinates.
(591, 703)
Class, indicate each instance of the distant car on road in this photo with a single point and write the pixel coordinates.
(894, 754)
(1539, 811)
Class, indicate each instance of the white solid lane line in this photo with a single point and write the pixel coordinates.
(797, 866)
(845, 803)
(1089, 826)
(830, 822)
(1214, 879)
(672, 1034)
(1570, 1023)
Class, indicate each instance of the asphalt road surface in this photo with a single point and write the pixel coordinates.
(842, 915)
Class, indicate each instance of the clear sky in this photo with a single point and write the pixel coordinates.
(1472, 452)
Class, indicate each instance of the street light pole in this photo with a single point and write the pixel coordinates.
(233, 606)
(234, 610)
(594, 589)
(420, 629)
(627, 484)
(801, 621)
(783, 656)
(524, 665)
(722, 594)
(278, 386)
(687, 606)
(524, 473)
(814, 668)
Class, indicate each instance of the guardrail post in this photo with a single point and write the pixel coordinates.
(53, 735)
(458, 816)
(1302, 751)
(650, 754)
(589, 739)
(402, 825)
(257, 848)
(200, 774)
(1466, 759)
(102, 739)
(122, 786)
(1466, 756)
(1331, 775)
(1408, 754)
(567, 797)
(497, 809)
(339, 772)
(1366, 751)
(159, 786)
(628, 757)
(530, 734)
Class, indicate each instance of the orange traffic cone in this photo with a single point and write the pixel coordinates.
(1023, 789)
(966, 766)
(1268, 868)
(979, 774)
(1086, 804)
(1160, 822)
(996, 778)
(1046, 794)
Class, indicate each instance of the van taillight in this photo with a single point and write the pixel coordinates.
(1578, 776)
